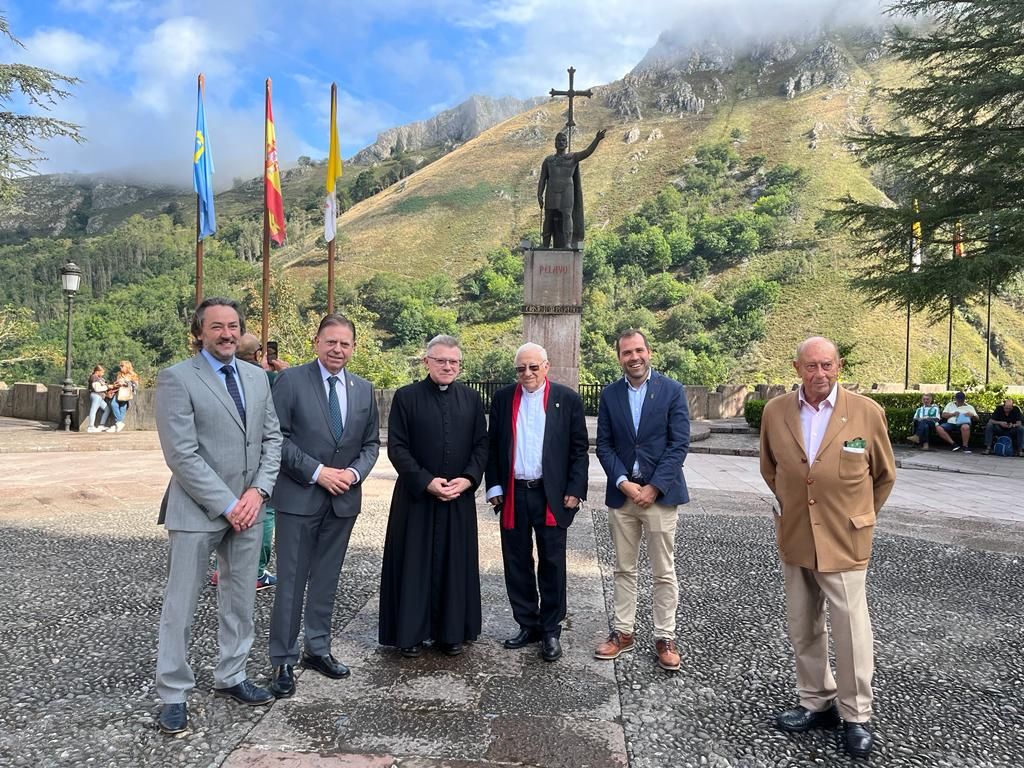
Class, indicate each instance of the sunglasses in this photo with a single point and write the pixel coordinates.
(521, 369)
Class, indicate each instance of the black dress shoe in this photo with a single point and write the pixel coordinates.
(173, 718)
(800, 719)
(283, 684)
(412, 651)
(858, 740)
(325, 665)
(246, 693)
(451, 649)
(522, 639)
(550, 649)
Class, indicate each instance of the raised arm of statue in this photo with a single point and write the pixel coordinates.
(593, 145)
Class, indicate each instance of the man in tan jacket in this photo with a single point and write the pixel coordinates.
(825, 454)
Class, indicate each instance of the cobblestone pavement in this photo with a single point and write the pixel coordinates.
(82, 566)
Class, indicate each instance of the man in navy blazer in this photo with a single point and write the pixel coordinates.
(643, 435)
(331, 435)
(536, 478)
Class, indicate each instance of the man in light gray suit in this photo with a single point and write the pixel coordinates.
(331, 435)
(221, 440)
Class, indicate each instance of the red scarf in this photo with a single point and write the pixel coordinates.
(508, 511)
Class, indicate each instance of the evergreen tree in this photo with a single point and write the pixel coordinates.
(957, 148)
(20, 133)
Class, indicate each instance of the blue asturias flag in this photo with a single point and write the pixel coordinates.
(202, 173)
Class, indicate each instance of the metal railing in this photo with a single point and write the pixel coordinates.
(590, 393)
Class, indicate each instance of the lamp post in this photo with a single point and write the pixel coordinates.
(70, 278)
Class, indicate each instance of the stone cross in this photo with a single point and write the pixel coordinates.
(571, 93)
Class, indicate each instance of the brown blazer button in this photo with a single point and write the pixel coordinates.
(810, 481)
(811, 501)
(803, 461)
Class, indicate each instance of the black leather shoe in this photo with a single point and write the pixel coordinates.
(325, 665)
(452, 649)
(283, 684)
(173, 718)
(246, 693)
(550, 649)
(800, 719)
(412, 651)
(522, 639)
(858, 740)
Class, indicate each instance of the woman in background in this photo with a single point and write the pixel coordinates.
(97, 399)
(124, 388)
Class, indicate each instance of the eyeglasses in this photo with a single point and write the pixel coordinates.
(442, 361)
(521, 369)
(813, 367)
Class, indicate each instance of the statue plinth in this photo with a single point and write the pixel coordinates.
(553, 308)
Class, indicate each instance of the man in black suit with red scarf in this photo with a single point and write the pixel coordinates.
(536, 479)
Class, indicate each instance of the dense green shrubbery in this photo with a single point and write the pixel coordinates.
(752, 412)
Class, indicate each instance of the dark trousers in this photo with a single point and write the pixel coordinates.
(310, 553)
(522, 581)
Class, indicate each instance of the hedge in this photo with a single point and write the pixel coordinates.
(901, 419)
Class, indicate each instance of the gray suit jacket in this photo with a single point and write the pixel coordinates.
(301, 400)
(213, 459)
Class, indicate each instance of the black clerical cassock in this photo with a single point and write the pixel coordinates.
(430, 578)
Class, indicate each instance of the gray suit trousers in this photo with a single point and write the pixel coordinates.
(310, 552)
(238, 555)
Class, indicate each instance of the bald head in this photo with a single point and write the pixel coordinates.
(248, 346)
(818, 365)
(816, 343)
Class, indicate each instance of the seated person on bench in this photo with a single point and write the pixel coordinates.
(926, 421)
(959, 416)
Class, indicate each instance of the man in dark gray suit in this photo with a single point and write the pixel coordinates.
(221, 440)
(331, 439)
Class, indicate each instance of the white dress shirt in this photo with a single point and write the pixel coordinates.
(814, 421)
(342, 389)
(530, 421)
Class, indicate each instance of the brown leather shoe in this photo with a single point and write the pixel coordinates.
(617, 642)
(668, 656)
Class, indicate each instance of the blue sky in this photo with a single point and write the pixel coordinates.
(394, 62)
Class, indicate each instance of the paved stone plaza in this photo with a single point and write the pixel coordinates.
(82, 566)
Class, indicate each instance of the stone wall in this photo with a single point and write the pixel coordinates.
(40, 402)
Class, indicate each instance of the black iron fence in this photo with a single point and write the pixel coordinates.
(590, 393)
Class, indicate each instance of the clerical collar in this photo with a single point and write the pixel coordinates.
(443, 387)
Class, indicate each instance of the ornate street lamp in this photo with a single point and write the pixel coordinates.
(70, 278)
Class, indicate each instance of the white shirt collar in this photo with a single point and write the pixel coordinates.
(831, 399)
(637, 389)
(324, 373)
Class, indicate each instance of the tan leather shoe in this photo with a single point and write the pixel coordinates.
(617, 642)
(668, 656)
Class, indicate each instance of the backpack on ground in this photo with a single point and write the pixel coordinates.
(1003, 446)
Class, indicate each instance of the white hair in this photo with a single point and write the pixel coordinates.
(531, 347)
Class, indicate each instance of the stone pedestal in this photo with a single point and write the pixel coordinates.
(553, 307)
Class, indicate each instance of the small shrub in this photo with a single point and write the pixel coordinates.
(752, 411)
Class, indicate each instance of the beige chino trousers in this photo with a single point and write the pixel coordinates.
(806, 593)
(627, 525)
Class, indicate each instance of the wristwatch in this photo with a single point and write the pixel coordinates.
(264, 494)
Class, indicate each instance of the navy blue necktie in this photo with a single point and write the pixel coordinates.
(229, 379)
(334, 407)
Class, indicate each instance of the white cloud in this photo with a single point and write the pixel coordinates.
(68, 52)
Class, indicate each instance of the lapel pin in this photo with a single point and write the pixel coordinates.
(843, 419)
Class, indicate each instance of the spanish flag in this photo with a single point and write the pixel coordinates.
(272, 180)
(333, 172)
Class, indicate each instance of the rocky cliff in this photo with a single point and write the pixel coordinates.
(446, 129)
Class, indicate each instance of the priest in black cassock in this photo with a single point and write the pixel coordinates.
(437, 442)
